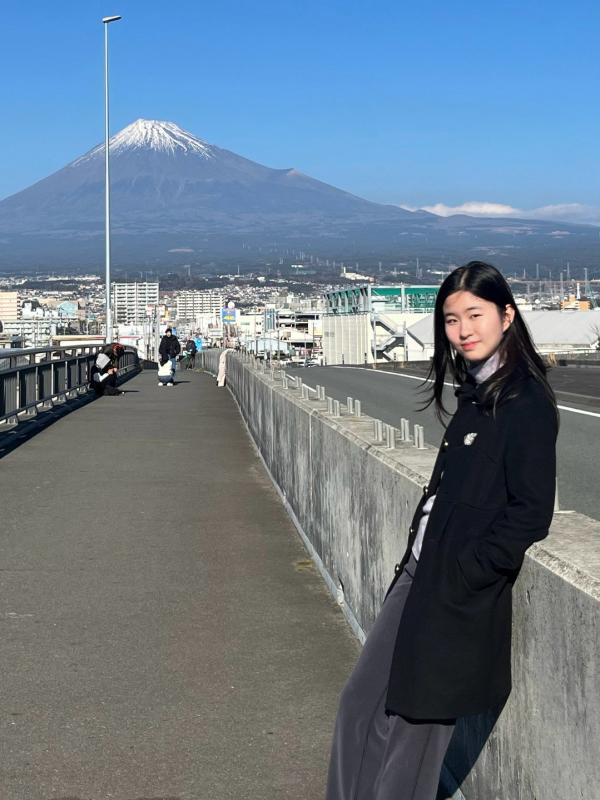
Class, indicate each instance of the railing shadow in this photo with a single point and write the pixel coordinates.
(13, 436)
(16, 435)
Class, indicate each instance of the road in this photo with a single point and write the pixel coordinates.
(391, 396)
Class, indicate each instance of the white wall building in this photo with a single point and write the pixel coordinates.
(192, 304)
(9, 306)
(131, 301)
(363, 320)
(551, 331)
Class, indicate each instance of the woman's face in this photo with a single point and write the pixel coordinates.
(474, 326)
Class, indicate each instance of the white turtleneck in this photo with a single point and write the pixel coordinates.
(480, 371)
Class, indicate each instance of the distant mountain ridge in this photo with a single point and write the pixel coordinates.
(171, 191)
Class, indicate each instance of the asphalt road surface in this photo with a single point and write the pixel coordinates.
(392, 395)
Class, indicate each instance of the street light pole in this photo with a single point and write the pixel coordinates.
(106, 22)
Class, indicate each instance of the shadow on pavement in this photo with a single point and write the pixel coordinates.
(14, 436)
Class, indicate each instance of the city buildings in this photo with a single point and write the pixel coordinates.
(191, 304)
(9, 306)
(134, 302)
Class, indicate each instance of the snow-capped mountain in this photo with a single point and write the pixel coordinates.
(173, 192)
(149, 134)
(161, 174)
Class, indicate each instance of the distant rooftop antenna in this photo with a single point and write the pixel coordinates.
(562, 288)
(568, 271)
(578, 292)
(537, 272)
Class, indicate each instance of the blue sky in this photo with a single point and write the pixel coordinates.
(421, 104)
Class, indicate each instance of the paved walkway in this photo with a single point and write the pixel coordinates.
(164, 635)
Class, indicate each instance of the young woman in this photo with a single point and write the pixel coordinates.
(440, 647)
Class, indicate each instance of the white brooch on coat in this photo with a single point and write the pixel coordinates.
(470, 438)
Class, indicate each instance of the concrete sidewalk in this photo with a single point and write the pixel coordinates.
(164, 634)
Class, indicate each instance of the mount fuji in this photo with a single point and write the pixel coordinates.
(170, 190)
(175, 197)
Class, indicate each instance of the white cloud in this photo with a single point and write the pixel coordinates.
(474, 208)
(561, 212)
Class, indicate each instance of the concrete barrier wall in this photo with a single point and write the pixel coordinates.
(353, 501)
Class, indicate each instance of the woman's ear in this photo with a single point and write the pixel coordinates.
(509, 315)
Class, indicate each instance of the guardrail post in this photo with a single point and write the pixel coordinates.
(336, 408)
(330, 405)
(556, 501)
(350, 404)
(357, 408)
(305, 390)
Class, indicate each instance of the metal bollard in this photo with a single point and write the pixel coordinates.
(284, 379)
(390, 437)
(378, 430)
(330, 405)
(298, 382)
(350, 404)
(336, 408)
(305, 391)
(406, 427)
(419, 437)
(322, 395)
(556, 501)
(357, 409)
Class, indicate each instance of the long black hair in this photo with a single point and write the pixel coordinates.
(517, 352)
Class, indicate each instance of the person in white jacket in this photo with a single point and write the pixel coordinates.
(104, 376)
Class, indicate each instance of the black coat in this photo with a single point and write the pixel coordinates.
(494, 498)
(169, 348)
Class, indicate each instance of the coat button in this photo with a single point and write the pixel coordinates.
(425, 488)
(411, 530)
(445, 443)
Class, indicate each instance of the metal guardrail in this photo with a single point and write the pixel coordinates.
(40, 377)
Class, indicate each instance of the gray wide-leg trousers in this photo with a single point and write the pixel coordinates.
(376, 757)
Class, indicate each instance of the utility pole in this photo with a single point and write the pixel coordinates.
(106, 22)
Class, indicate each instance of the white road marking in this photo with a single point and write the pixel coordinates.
(421, 378)
(579, 411)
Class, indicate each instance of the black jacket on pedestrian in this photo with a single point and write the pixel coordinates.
(494, 481)
(169, 348)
